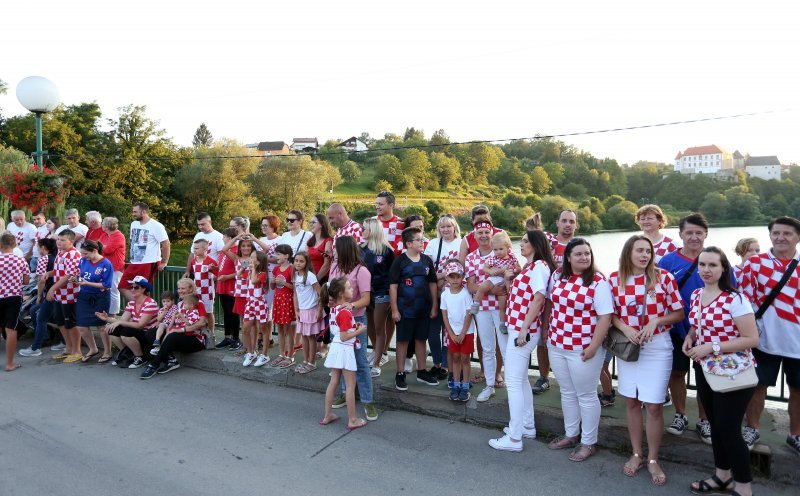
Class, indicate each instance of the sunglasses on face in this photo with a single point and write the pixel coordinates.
(290, 220)
(134, 287)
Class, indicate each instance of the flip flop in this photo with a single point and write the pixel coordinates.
(322, 421)
(361, 424)
(104, 359)
(89, 356)
(15, 367)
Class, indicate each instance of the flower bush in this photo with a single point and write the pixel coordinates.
(32, 190)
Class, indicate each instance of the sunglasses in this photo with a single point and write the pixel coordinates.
(290, 220)
(264, 225)
(136, 287)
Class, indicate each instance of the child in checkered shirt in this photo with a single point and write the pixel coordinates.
(204, 270)
(164, 317)
(497, 267)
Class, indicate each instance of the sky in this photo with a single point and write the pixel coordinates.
(271, 71)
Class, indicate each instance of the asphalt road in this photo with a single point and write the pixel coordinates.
(78, 430)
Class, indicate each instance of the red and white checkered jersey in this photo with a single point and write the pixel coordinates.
(41, 267)
(533, 279)
(12, 269)
(779, 328)
(508, 263)
(353, 229)
(256, 307)
(258, 289)
(242, 287)
(557, 248)
(341, 320)
(204, 273)
(474, 268)
(663, 246)
(166, 315)
(449, 250)
(576, 309)
(664, 298)
(41, 233)
(737, 274)
(67, 264)
(149, 305)
(393, 229)
(714, 323)
(190, 317)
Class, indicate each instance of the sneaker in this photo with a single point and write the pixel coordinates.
(454, 393)
(169, 366)
(384, 360)
(439, 373)
(487, 393)
(225, 343)
(425, 377)
(794, 443)
(505, 444)
(409, 366)
(473, 309)
(137, 362)
(154, 350)
(248, 359)
(541, 385)
(29, 352)
(339, 401)
(400, 382)
(464, 395)
(667, 400)
(236, 345)
(58, 347)
(704, 429)
(750, 436)
(375, 372)
(450, 381)
(148, 372)
(371, 411)
(678, 425)
(261, 360)
(371, 357)
(526, 433)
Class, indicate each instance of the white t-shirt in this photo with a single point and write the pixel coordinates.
(307, 298)
(457, 306)
(215, 242)
(297, 240)
(41, 233)
(450, 250)
(81, 229)
(26, 235)
(146, 241)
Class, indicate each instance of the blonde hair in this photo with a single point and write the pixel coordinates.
(626, 262)
(376, 239)
(655, 210)
(448, 218)
(501, 237)
(743, 245)
(534, 223)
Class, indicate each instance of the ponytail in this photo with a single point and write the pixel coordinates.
(331, 291)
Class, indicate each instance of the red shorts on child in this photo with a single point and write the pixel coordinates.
(466, 347)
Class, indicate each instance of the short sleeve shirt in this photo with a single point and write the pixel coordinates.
(12, 270)
(576, 309)
(393, 229)
(102, 272)
(353, 229)
(215, 243)
(457, 306)
(662, 299)
(663, 246)
(474, 268)
(67, 264)
(26, 235)
(361, 281)
(341, 320)
(298, 242)
(450, 249)
(204, 272)
(714, 322)
(307, 297)
(533, 279)
(146, 241)
(413, 279)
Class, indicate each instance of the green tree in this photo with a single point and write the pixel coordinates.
(589, 222)
(509, 175)
(742, 204)
(715, 206)
(511, 218)
(422, 211)
(595, 205)
(540, 181)
(202, 137)
(644, 182)
(555, 171)
(435, 207)
(390, 169)
(620, 216)
(350, 171)
(445, 169)
(777, 206)
(477, 161)
(440, 138)
(534, 201)
(513, 200)
(417, 168)
(293, 182)
(552, 205)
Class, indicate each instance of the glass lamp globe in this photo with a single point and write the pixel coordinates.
(38, 94)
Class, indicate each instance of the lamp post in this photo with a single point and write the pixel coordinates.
(38, 95)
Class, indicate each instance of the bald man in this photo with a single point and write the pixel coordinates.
(345, 226)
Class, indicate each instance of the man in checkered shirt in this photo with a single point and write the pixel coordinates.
(345, 226)
(779, 328)
(65, 293)
(24, 231)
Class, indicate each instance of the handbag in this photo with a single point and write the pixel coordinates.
(618, 344)
(728, 372)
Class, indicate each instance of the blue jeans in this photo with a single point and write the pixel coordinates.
(438, 352)
(363, 376)
(43, 314)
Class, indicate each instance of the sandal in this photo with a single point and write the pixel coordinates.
(631, 470)
(286, 363)
(13, 367)
(563, 442)
(322, 354)
(328, 421)
(500, 383)
(704, 487)
(104, 359)
(361, 423)
(89, 356)
(278, 361)
(310, 367)
(658, 478)
(582, 452)
(477, 379)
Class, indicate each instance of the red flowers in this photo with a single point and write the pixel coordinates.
(31, 189)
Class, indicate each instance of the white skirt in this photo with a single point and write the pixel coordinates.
(646, 379)
(341, 356)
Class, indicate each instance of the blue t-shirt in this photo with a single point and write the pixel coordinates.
(413, 281)
(677, 264)
(102, 272)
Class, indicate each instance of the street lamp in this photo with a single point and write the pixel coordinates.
(39, 95)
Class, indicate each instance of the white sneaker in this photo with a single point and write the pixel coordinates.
(409, 366)
(526, 432)
(487, 393)
(384, 359)
(375, 372)
(29, 352)
(505, 444)
(58, 347)
(248, 359)
(261, 360)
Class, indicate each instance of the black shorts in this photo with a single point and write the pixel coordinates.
(64, 315)
(680, 362)
(9, 311)
(768, 369)
(412, 329)
(146, 337)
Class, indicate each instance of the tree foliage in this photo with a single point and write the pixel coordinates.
(293, 182)
(202, 137)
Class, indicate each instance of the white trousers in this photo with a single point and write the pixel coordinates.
(115, 301)
(488, 321)
(578, 383)
(520, 397)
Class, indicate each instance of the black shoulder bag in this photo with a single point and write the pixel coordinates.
(688, 274)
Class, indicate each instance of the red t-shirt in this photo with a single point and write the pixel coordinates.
(95, 235)
(226, 267)
(287, 276)
(113, 248)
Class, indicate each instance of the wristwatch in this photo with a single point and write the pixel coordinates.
(716, 348)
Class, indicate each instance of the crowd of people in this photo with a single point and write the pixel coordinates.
(341, 285)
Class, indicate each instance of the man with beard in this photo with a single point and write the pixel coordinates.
(149, 247)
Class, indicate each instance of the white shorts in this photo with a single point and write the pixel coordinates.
(646, 379)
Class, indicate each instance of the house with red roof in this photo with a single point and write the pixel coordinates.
(708, 159)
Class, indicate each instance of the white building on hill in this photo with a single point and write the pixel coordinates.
(709, 159)
(768, 167)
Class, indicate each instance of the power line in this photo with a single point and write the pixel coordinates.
(437, 146)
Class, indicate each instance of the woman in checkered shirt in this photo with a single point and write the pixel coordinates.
(646, 302)
(582, 306)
